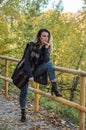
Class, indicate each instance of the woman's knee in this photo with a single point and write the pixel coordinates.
(50, 65)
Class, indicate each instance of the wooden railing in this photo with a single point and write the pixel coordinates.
(81, 107)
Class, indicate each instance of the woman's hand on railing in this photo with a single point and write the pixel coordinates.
(31, 79)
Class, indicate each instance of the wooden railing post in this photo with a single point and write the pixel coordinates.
(82, 102)
(6, 75)
(36, 100)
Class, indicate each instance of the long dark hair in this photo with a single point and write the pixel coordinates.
(37, 38)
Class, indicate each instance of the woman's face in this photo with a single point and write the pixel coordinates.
(44, 38)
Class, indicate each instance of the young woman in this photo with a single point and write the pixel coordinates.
(37, 62)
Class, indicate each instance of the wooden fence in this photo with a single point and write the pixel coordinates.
(80, 107)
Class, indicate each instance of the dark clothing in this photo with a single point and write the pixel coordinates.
(37, 64)
(35, 57)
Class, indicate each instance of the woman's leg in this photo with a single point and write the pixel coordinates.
(23, 95)
(49, 68)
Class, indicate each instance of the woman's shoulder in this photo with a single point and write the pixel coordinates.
(30, 44)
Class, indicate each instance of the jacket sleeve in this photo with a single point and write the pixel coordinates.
(46, 55)
(27, 63)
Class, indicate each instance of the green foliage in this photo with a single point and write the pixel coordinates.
(59, 7)
(2, 83)
(48, 104)
(66, 112)
(17, 28)
(70, 114)
(13, 89)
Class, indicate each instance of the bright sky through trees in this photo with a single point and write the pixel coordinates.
(69, 5)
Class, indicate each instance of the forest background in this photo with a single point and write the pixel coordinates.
(21, 19)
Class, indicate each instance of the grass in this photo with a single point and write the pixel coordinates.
(2, 83)
(68, 113)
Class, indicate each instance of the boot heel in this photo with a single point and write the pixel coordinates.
(56, 93)
(54, 90)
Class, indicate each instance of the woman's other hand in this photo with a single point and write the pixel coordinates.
(31, 79)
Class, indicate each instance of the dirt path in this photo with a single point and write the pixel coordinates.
(10, 117)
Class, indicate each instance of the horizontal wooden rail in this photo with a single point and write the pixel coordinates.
(61, 69)
(70, 71)
(9, 58)
(6, 79)
(59, 99)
